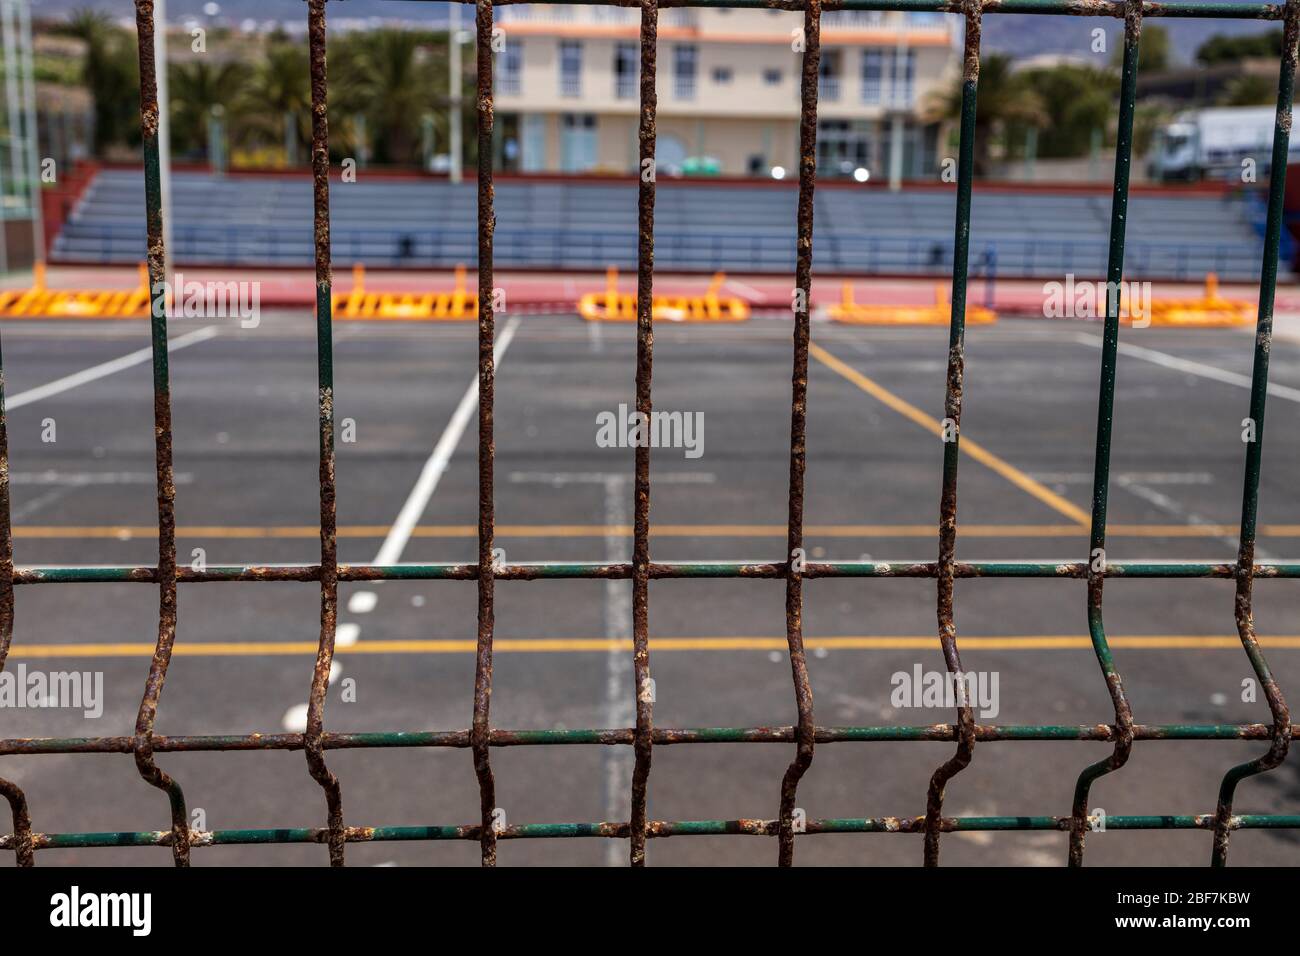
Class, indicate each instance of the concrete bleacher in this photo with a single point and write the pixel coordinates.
(266, 221)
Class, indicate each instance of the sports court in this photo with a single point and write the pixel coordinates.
(245, 408)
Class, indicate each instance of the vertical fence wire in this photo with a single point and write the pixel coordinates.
(329, 558)
(23, 850)
(956, 371)
(162, 425)
(645, 338)
(481, 730)
(1245, 572)
(1105, 421)
(804, 730)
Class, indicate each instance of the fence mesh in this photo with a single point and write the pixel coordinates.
(145, 745)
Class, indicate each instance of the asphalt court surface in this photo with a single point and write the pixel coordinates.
(244, 404)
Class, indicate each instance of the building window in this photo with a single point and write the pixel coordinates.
(579, 146)
(852, 18)
(509, 66)
(684, 62)
(843, 147)
(627, 67)
(873, 76)
(904, 77)
(828, 87)
(722, 75)
(771, 77)
(570, 68)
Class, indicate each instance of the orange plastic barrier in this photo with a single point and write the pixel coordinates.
(1209, 311)
(360, 304)
(40, 302)
(614, 306)
(847, 310)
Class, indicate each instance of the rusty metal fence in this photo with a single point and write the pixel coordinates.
(145, 745)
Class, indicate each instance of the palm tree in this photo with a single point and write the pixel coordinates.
(109, 73)
(196, 88)
(1004, 98)
(389, 77)
(278, 87)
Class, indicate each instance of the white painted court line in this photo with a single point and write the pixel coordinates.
(620, 689)
(77, 379)
(295, 719)
(620, 703)
(390, 552)
(1169, 506)
(80, 478)
(1191, 368)
(363, 602)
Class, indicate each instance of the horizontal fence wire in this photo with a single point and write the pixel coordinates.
(793, 569)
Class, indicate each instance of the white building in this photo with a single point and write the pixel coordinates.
(728, 85)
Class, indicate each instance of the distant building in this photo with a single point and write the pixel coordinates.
(567, 87)
(1052, 61)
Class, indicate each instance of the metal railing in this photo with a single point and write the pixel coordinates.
(792, 569)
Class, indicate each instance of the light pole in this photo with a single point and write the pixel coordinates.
(164, 132)
(454, 79)
(29, 108)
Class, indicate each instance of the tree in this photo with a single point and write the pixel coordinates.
(196, 88)
(1231, 49)
(110, 73)
(1153, 52)
(388, 76)
(1082, 101)
(1004, 100)
(279, 86)
(1250, 89)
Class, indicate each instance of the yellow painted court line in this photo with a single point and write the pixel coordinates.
(563, 645)
(541, 531)
(972, 448)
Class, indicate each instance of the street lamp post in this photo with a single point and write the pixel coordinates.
(454, 79)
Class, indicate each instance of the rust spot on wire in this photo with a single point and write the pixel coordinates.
(971, 49)
(1290, 36)
(329, 585)
(486, 446)
(798, 430)
(1091, 8)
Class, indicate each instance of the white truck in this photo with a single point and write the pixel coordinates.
(1215, 143)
